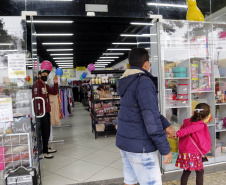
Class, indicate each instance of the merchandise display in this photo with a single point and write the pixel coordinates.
(192, 72)
(104, 104)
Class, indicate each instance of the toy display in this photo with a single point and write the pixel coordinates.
(204, 82)
(205, 67)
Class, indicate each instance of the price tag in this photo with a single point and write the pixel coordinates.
(6, 111)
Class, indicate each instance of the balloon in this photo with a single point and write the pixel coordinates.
(29, 81)
(194, 13)
(47, 65)
(59, 72)
(91, 67)
(28, 78)
(83, 75)
(63, 79)
(69, 80)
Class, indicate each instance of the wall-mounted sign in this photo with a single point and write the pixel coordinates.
(81, 68)
(16, 66)
(69, 73)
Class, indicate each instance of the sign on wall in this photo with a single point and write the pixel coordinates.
(16, 66)
(6, 110)
(69, 73)
(81, 68)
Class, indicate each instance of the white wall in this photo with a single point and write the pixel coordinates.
(121, 64)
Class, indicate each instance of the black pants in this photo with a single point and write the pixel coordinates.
(45, 130)
(186, 174)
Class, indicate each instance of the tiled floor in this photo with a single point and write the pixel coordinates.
(81, 158)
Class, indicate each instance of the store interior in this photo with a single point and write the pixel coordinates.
(187, 57)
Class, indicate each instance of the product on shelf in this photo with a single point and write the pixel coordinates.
(195, 84)
(194, 70)
(182, 89)
(182, 102)
(100, 127)
(182, 96)
(204, 83)
(205, 67)
(180, 71)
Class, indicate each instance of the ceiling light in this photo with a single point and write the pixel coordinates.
(147, 43)
(59, 49)
(115, 49)
(6, 44)
(105, 60)
(71, 63)
(34, 43)
(125, 43)
(54, 34)
(113, 53)
(100, 66)
(9, 50)
(102, 62)
(109, 57)
(55, 43)
(168, 5)
(134, 35)
(60, 22)
(61, 54)
(147, 48)
(62, 58)
(142, 23)
(66, 65)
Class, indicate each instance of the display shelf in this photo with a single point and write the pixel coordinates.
(106, 100)
(223, 77)
(101, 84)
(177, 107)
(220, 104)
(222, 130)
(211, 125)
(193, 92)
(177, 78)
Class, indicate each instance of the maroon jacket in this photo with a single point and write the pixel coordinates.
(38, 90)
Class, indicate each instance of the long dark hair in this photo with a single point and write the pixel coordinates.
(200, 114)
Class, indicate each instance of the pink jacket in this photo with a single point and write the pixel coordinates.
(200, 134)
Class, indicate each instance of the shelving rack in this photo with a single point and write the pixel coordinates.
(93, 116)
(181, 42)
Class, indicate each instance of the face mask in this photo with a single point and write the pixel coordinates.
(44, 78)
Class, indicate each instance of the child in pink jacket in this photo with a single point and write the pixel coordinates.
(189, 157)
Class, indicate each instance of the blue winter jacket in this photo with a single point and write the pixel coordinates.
(140, 124)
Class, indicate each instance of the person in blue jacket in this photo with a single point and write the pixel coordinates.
(141, 128)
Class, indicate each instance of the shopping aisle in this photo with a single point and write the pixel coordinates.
(81, 158)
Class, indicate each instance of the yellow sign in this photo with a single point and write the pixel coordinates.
(69, 73)
(81, 68)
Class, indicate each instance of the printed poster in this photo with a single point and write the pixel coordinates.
(6, 110)
(16, 66)
(69, 73)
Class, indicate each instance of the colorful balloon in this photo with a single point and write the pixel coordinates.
(91, 67)
(47, 65)
(63, 79)
(59, 72)
(81, 77)
(69, 80)
(28, 78)
(84, 75)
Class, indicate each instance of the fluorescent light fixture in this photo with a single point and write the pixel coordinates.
(58, 43)
(100, 66)
(102, 62)
(59, 49)
(6, 44)
(9, 50)
(124, 43)
(113, 54)
(62, 58)
(66, 65)
(118, 49)
(34, 43)
(71, 63)
(105, 60)
(147, 48)
(168, 5)
(54, 34)
(109, 57)
(142, 23)
(147, 43)
(49, 21)
(61, 54)
(134, 35)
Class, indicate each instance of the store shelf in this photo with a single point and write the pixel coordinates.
(107, 116)
(220, 104)
(175, 78)
(211, 125)
(201, 91)
(223, 77)
(222, 130)
(101, 84)
(177, 107)
(107, 72)
(105, 100)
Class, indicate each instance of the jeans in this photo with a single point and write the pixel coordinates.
(141, 167)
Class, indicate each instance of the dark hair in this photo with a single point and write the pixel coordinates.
(138, 56)
(200, 115)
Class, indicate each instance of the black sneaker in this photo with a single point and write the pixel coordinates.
(50, 150)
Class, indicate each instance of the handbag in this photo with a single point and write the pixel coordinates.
(204, 157)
